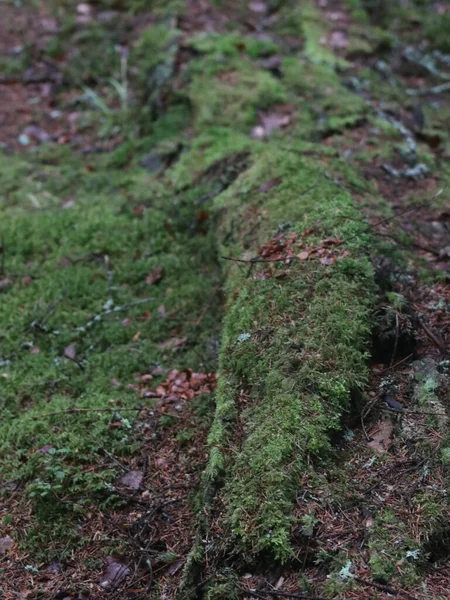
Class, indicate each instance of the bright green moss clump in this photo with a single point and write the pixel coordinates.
(293, 347)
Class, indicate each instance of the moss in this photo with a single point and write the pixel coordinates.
(315, 319)
(59, 261)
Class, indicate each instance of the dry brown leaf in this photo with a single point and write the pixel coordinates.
(381, 439)
(6, 544)
(132, 479)
(172, 344)
(155, 276)
(113, 575)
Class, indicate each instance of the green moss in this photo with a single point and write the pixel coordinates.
(295, 349)
(76, 272)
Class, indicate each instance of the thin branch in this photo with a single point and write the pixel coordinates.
(86, 410)
(386, 588)
(258, 594)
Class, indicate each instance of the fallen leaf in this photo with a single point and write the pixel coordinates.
(6, 544)
(132, 479)
(146, 377)
(381, 439)
(304, 255)
(272, 183)
(155, 276)
(330, 241)
(35, 350)
(45, 449)
(328, 260)
(113, 575)
(136, 336)
(70, 351)
(172, 344)
(26, 280)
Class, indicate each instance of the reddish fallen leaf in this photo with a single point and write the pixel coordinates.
(304, 255)
(155, 276)
(132, 479)
(330, 241)
(115, 424)
(272, 183)
(113, 575)
(202, 216)
(26, 280)
(147, 377)
(172, 344)
(35, 350)
(146, 315)
(70, 351)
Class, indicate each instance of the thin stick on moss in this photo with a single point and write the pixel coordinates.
(279, 594)
(98, 317)
(86, 410)
(386, 588)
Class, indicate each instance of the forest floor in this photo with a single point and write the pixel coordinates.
(225, 310)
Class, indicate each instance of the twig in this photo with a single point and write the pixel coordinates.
(251, 261)
(257, 594)
(397, 335)
(86, 410)
(108, 311)
(386, 588)
(433, 337)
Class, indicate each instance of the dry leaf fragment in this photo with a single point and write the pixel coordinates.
(266, 187)
(132, 479)
(382, 437)
(113, 575)
(155, 276)
(172, 344)
(303, 255)
(6, 544)
(70, 351)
